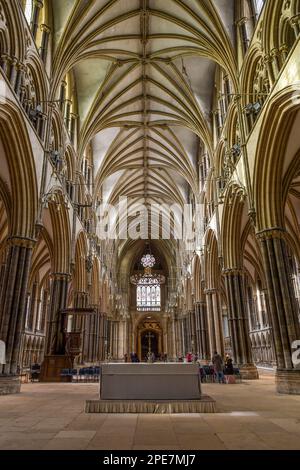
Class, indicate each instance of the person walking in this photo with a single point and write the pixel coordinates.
(218, 367)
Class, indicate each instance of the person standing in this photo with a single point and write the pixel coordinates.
(229, 366)
(189, 357)
(218, 367)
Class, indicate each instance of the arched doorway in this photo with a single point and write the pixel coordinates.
(149, 343)
(149, 335)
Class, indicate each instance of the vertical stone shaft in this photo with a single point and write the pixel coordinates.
(238, 318)
(201, 330)
(80, 323)
(281, 297)
(216, 341)
(92, 335)
(211, 324)
(13, 299)
(58, 302)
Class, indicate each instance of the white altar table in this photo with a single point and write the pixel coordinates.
(143, 381)
(150, 388)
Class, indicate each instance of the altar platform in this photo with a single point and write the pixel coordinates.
(150, 388)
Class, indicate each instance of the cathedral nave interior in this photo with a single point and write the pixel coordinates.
(174, 103)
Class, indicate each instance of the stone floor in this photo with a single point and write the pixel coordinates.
(50, 416)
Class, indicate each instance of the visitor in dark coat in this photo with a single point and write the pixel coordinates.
(218, 367)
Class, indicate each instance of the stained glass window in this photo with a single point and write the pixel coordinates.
(259, 6)
(28, 10)
(148, 261)
(148, 296)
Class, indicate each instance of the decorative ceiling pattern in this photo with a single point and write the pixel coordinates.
(145, 74)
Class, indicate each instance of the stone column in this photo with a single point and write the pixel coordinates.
(173, 344)
(115, 339)
(97, 335)
(84, 324)
(171, 352)
(192, 343)
(37, 6)
(216, 340)
(91, 333)
(114, 346)
(284, 52)
(268, 63)
(121, 339)
(211, 323)
(183, 337)
(275, 61)
(45, 41)
(186, 333)
(176, 337)
(58, 302)
(201, 330)
(103, 337)
(295, 23)
(80, 322)
(5, 63)
(239, 323)
(110, 337)
(164, 324)
(2, 268)
(283, 309)
(179, 339)
(13, 304)
(13, 72)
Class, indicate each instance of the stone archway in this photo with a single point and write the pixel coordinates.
(149, 340)
(153, 327)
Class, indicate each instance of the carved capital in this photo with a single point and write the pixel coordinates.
(295, 20)
(38, 3)
(274, 52)
(233, 272)
(210, 291)
(20, 66)
(45, 29)
(284, 48)
(23, 242)
(271, 233)
(242, 21)
(61, 276)
(267, 59)
(5, 58)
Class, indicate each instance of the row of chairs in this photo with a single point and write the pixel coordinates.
(208, 374)
(84, 374)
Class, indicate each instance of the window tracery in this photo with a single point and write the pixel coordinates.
(28, 10)
(148, 296)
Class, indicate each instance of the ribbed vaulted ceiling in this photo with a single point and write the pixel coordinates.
(145, 73)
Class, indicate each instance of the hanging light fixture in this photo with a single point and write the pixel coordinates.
(147, 279)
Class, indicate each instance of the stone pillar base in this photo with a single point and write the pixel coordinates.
(9, 384)
(288, 381)
(249, 372)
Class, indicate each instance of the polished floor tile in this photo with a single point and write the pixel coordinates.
(251, 416)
